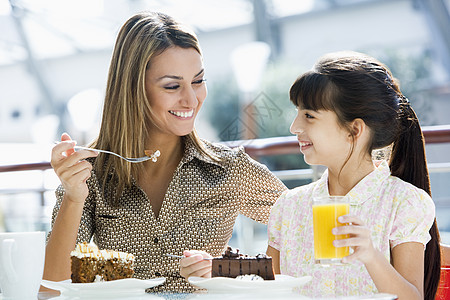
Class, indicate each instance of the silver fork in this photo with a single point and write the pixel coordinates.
(153, 157)
(182, 256)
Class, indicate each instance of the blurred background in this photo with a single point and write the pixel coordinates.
(55, 54)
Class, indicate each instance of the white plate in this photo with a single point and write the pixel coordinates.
(119, 287)
(225, 284)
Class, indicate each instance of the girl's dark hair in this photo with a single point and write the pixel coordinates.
(354, 85)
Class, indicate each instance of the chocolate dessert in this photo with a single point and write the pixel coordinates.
(233, 264)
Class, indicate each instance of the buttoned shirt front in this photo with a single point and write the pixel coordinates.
(198, 211)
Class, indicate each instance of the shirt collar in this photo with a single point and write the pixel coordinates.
(191, 152)
(363, 190)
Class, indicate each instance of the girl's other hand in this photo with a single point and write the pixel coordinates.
(72, 168)
(193, 264)
(359, 239)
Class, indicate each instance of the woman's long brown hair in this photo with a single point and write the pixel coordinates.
(126, 110)
(354, 85)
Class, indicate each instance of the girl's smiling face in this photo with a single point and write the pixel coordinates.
(322, 140)
(175, 88)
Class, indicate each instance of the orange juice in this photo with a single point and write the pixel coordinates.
(325, 216)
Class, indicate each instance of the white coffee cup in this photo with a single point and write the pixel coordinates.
(21, 264)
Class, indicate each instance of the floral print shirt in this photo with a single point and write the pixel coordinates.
(395, 211)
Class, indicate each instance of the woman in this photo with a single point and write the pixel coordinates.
(188, 199)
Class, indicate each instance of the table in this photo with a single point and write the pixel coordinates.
(207, 296)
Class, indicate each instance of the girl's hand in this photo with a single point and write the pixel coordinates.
(72, 168)
(194, 265)
(359, 239)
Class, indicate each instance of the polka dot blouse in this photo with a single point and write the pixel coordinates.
(198, 212)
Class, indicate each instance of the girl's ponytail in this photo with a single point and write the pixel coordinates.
(408, 162)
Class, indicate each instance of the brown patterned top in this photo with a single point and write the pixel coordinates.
(198, 212)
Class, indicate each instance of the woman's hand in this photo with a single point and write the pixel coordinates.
(72, 168)
(193, 264)
(359, 239)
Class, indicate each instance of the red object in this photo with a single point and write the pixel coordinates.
(443, 292)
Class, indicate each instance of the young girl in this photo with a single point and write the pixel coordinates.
(348, 106)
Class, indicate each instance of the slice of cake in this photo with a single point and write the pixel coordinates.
(233, 264)
(90, 264)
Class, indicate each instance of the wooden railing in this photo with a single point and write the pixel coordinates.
(255, 148)
(289, 144)
(262, 147)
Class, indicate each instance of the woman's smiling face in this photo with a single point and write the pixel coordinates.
(175, 88)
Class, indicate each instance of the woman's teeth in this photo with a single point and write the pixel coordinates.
(182, 114)
(305, 144)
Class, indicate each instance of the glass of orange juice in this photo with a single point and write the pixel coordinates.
(326, 211)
